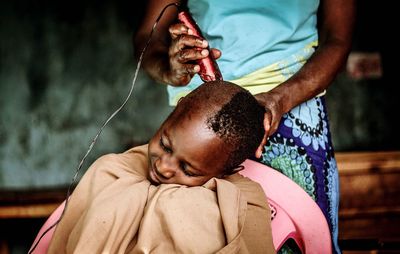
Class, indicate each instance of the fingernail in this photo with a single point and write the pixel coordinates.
(205, 43)
(204, 52)
(196, 68)
(190, 31)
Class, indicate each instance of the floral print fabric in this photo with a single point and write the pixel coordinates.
(301, 149)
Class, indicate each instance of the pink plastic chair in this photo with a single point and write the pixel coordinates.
(43, 245)
(294, 214)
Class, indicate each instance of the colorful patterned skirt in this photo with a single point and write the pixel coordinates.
(301, 149)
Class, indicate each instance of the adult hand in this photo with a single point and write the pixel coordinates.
(271, 102)
(184, 50)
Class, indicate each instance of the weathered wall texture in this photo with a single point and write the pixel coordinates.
(65, 66)
(63, 70)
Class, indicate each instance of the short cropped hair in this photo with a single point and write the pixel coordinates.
(234, 115)
(239, 123)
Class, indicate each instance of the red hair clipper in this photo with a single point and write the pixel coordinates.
(209, 70)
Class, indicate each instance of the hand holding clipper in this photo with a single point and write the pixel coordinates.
(209, 70)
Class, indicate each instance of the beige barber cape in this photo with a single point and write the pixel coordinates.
(115, 209)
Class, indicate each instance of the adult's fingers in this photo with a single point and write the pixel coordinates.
(216, 53)
(186, 55)
(182, 76)
(190, 41)
(261, 147)
(178, 29)
(267, 126)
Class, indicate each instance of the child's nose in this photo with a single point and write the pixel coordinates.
(167, 166)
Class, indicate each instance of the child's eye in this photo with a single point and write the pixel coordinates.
(164, 147)
(185, 171)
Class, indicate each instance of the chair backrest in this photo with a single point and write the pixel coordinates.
(43, 245)
(295, 215)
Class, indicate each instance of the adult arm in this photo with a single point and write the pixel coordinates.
(173, 49)
(336, 26)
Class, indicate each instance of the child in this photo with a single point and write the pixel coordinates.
(209, 134)
(139, 202)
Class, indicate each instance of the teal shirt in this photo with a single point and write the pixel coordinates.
(252, 34)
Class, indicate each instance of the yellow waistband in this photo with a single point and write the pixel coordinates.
(269, 77)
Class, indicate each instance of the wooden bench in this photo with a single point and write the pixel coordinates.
(22, 213)
(369, 214)
(30, 203)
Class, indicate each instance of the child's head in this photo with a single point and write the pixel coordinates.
(209, 134)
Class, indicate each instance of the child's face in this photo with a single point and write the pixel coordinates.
(185, 151)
